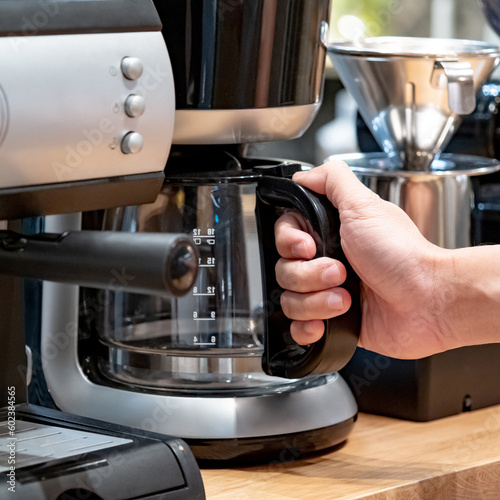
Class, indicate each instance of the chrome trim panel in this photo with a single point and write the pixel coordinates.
(62, 107)
(240, 126)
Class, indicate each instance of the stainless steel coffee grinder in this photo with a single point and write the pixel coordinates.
(244, 73)
(412, 93)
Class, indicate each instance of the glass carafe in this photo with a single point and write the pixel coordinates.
(213, 336)
(212, 339)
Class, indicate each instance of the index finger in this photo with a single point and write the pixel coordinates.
(335, 179)
(292, 240)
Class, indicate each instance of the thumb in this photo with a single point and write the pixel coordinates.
(337, 181)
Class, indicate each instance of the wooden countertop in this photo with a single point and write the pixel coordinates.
(383, 459)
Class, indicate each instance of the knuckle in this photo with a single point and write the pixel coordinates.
(290, 280)
(286, 275)
(286, 305)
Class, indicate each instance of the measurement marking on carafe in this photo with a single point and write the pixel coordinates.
(206, 265)
(212, 316)
(209, 292)
(210, 241)
(212, 342)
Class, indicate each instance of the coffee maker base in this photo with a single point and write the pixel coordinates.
(273, 450)
(307, 408)
(318, 414)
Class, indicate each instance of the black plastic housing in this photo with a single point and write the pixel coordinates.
(150, 466)
(425, 389)
(246, 53)
(57, 17)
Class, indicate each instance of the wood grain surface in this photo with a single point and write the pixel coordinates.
(456, 458)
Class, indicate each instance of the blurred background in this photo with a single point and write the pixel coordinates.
(333, 130)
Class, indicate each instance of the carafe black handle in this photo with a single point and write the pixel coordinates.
(283, 357)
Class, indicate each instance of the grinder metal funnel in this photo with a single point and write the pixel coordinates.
(412, 91)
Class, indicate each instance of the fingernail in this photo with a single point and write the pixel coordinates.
(335, 301)
(300, 250)
(298, 175)
(331, 275)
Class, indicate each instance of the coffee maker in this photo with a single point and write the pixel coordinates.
(246, 72)
(69, 141)
(412, 94)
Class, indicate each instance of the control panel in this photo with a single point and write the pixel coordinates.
(84, 106)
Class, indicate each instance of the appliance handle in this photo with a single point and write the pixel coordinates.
(283, 357)
(146, 263)
(460, 79)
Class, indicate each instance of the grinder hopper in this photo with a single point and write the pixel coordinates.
(412, 91)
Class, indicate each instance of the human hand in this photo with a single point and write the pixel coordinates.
(403, 301)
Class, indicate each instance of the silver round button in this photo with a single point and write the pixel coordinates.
(135, 105)
(132, 143)
(132, 68)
